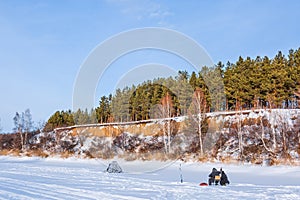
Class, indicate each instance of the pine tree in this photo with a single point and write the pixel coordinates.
(81, 117)
(59, 119)
(293, 72)
(255, 80)
(236, 84)
(211, 82)
(76, 116)
(93, 117)
(104, 110)
(116, 105)
(183, 90)
(277, 77)
(193, 80)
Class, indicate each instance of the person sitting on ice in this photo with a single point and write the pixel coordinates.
(214, 177)
(224, 179)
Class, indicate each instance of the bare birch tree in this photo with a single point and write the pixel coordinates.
(23, 125)
(198, 114)
(283, 120)
(19, 127)
(240, 132)
(263, 134)
(273, 124)
(167, 111)
(28, 125)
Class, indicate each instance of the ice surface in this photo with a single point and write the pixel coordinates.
(56, 178)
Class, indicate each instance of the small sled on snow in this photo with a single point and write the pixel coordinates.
(203, 184)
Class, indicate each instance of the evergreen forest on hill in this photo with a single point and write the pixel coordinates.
(249, 83)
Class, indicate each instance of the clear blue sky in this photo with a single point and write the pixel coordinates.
(43, 43)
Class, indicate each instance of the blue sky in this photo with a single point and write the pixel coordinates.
(43, 43)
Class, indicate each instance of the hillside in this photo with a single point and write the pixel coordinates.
(259, 136)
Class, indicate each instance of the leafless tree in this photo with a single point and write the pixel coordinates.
(19, 126)
(273, 122)
(198, 111)
(283, 130)
(28, 125)
(40, 125)
(263, 134)
(23, 124)
(238, 116)
(167, 112)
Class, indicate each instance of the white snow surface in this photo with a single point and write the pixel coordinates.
(73, 178)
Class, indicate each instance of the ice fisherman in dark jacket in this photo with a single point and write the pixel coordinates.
(224, 179)
(214, 177)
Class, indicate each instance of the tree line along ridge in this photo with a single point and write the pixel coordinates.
(246, 84)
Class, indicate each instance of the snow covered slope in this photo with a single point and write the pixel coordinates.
(55, 178)
(251, 136)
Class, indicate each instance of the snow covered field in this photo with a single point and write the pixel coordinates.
(56, 178)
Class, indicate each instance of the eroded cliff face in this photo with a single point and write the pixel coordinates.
(260, 136)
